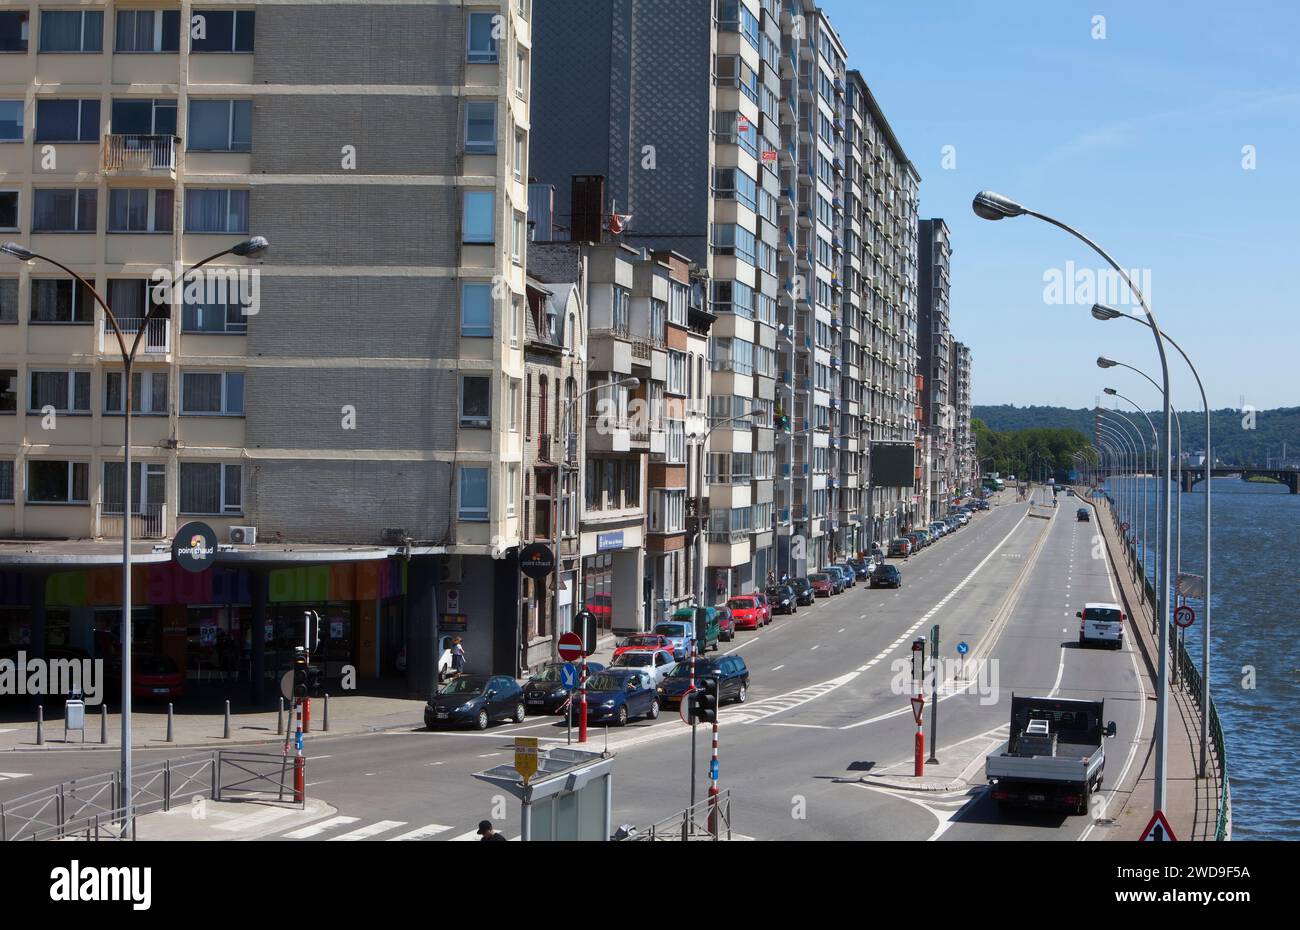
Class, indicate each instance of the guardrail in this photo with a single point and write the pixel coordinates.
(709, 819)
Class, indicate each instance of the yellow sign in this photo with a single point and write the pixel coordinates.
(526, 756)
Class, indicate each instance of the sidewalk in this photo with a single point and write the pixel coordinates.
(1192, 803)
(349, 714)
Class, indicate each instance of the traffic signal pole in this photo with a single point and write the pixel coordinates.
(690, 696)
(714, 771)
(582, 710)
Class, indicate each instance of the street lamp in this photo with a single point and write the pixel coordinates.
(249, 248)
(1104, 313)
(992, 206)
(1129, 452)
(1146, 460)
(568, 402)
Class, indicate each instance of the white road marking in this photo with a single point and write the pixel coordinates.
(778, 668)
(253, 821)
(317, 829)
(815, 648)
(432, 829)
(801, 726)
(10, 775)
(368, 831)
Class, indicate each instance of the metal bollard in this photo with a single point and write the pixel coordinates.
(40, 724)
(226, 734)
(103, 724)
(279, 719)
(170, 732)
(326, 722)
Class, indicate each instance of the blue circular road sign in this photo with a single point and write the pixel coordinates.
(963, 648)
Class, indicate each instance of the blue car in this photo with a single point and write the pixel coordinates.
(618, 694)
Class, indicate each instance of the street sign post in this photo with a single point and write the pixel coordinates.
(1184, 616)
(918, 709)
(934, 693)
(962, 649)
(1158, 830)
(572, 648)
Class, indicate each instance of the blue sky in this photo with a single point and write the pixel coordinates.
(1135, 139)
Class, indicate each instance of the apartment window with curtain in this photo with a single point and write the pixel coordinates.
(472, 502)
(148, 393)
(14, 31)
(64, 210)
(214, 318)
(72, 31)
(222, 31)
(64, 391)
(6, 480)
(216, 210)
(481, 39)
(212, 393)
(57, 482)
(11, 120)
(144, 117)
(146, 31)
(67, 120)
(211, 488)
(9, 390)
(220, 125)
(480, 127)
(61, 300)
(9, 210)
(141, 210)
(475, 402)
(148, 486)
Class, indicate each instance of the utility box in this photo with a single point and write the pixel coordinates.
(568, 799)
(74, 716)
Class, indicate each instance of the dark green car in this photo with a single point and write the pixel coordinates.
(713, 629)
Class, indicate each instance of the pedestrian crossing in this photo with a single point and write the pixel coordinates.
(769, 707)
(346, 829)
(9, 776)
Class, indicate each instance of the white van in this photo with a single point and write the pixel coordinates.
(1101, 623)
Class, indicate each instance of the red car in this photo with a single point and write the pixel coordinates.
(156, 678)
(822, 585)
(601, 606)
(643, 641)
(747, 612)
(767, 608)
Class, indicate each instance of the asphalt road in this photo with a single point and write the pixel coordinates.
(828, 712)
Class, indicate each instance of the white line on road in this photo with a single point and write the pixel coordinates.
(818, 646)
(432, 829)
(368, 831)
(317, 829)
(253, 821)
(801, 726)
(778, 668)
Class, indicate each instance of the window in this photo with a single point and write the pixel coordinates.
(11, 120)
(222, 31)
(144, 117)
(6, 480)
(212, 393)
(480, 127)
(482, 36)
(729, 239)
(67, 120)
(13, 31)
(476, 310)
(521, 154)
(9, 211)
(729, 129)
(475, 402)
(148, 31)
(667, 511)
(131, 300)
(221, 125)
(65, 391)
(214, 318)
(72, 30)
(140, 209)
(513, 412)
(216, 210)
(676, 383)
(64, 209)
(148, 486)
(473, 503)
(58, 482)
(512, 488)
(734, 184)
(61, 300)
(148, 393)
(480, 216)
(8, 300)
(518, 236)
(9, 390)
(521, 74)
(211, 488)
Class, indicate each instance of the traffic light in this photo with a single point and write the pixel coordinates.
(299, 673)
(782, 422)
(705, 707)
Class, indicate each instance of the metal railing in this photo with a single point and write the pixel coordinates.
(156, 341)
(148, 521)
(709, 819)
(132, 152)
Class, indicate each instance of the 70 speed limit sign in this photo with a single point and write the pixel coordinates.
(1184, 616)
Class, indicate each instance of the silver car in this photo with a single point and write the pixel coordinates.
(654, 664)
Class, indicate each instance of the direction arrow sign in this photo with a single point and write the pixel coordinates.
(1158, 830)
(918, 707)
(526, 757)
(569, 675)
(571, 647)
(963, 648)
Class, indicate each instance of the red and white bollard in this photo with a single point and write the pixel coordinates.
(299, 763)
(582, 709)
(715, 775)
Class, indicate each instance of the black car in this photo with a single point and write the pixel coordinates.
(886, 576)
(782, 598)
(1082, 515)
(475, 701)
(861, 568)
(544, 693)
(618, 694)
(803, 592)
(731, 670)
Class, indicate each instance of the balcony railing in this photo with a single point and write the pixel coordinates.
(148, 521)
(157, 338)
(140, 153)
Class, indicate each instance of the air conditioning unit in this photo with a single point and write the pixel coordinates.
(243, 535)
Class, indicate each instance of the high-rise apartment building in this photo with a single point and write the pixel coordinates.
(963, 438)
(934, 350)
(362, 419)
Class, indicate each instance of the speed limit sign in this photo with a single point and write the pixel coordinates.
(1184, 616)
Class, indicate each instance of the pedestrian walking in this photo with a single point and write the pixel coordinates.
(487, 832)
(457, 656)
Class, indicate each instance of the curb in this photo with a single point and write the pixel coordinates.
(888, 781)
(215, 742)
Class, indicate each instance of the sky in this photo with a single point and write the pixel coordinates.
(1139, 140)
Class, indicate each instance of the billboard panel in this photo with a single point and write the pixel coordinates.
(893, 464)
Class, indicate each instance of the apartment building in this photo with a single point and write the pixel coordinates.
(934, 360)
(363, 420)
(963, 438)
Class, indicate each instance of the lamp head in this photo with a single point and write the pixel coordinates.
(1111, 391)
(251, 248)
(989, 205)
(1104, 362)
(630, 383)
(1103, 312)
(17, 251)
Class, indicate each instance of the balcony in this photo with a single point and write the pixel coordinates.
(140, 156)
(156, 341)
(149, 521)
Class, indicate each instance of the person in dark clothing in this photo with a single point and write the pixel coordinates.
(489, 835)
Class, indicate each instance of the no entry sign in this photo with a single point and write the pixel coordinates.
(571, 647)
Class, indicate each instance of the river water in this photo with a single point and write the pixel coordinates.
(1254, 652)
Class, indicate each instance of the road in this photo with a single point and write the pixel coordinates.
(828, 713)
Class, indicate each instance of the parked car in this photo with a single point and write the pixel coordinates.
(782, 598)
(747, 611)
(726, 624)
(765, 604)
(156, 678)
(713, 632)
(886, 576)
(803, 592)
(900, 548)
(848, 573)
(822, 584)
(618, 694)
(1082, 515)
(680, 631)
(861, 568)
(642, 641)
(1101, 623)
(731, 670)
(545, 692)
(476, 700)
(837, 578)
(655, 663)
(601, 606)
